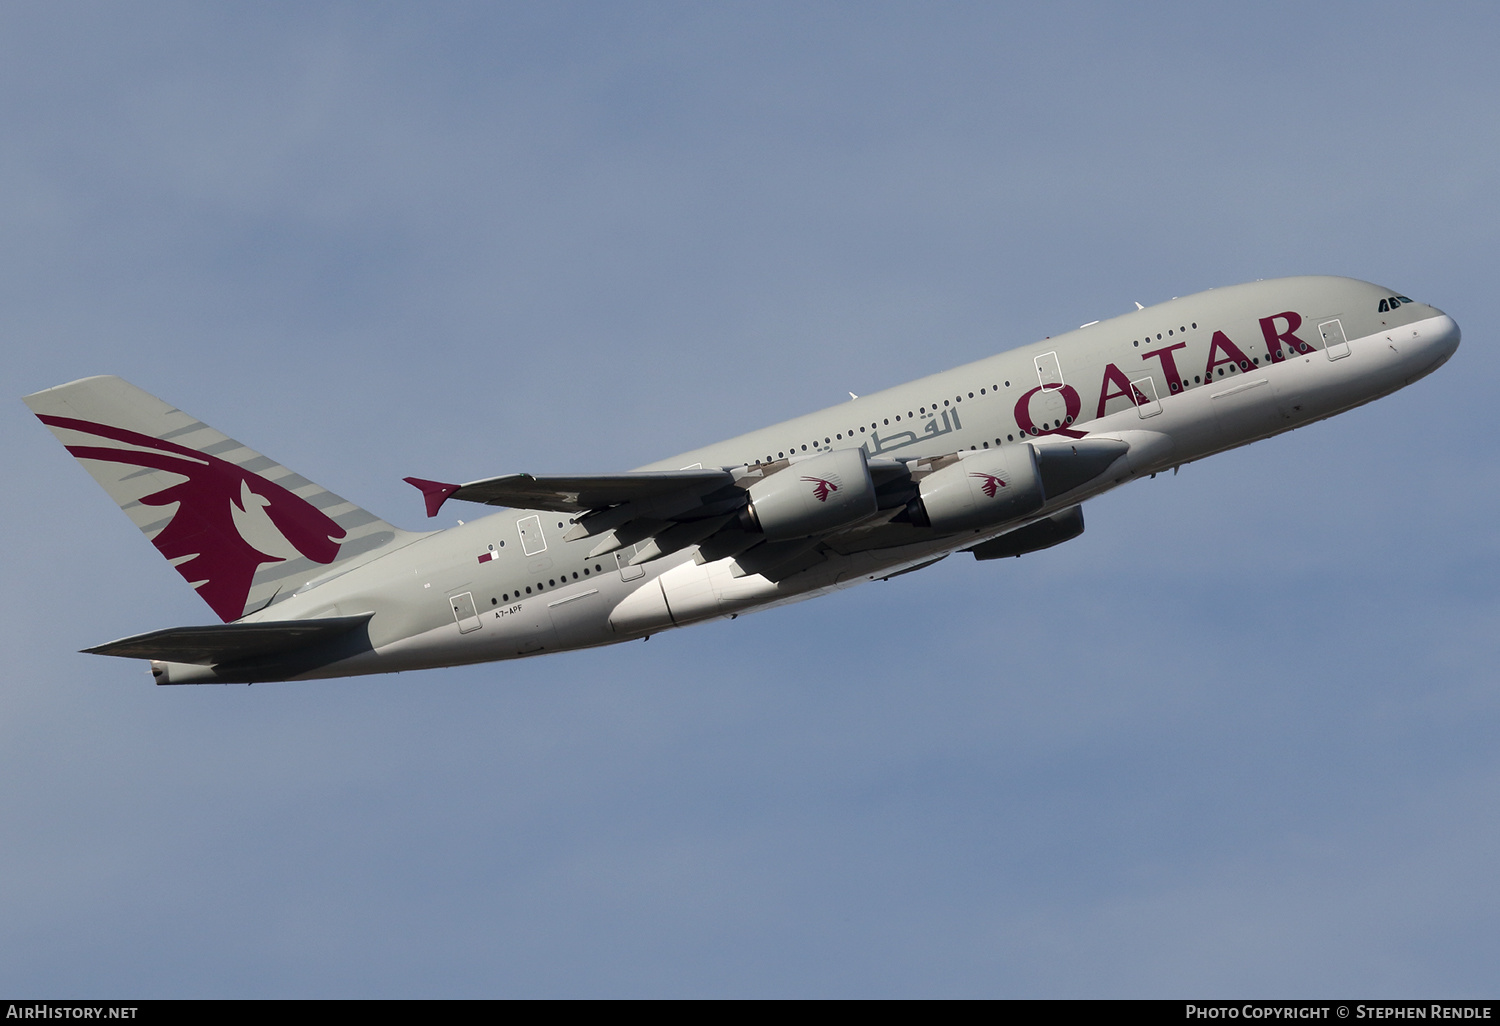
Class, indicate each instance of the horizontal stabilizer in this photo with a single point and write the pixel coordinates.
(227, 642)
(575, 494)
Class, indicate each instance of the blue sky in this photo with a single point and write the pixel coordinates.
(1236, 740)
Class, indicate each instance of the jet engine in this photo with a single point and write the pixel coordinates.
(1045, 533)
(811, 496)
(979, 490)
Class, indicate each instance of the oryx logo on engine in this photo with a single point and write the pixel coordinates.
(991, 485)
(824, 486)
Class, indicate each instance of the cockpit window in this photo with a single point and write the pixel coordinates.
(1392, 302)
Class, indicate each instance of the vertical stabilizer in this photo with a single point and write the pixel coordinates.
(240, 528)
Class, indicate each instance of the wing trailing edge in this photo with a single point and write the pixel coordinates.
(578, 493)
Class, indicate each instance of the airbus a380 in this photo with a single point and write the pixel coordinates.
(994, 458)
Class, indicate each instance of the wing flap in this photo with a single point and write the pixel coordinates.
(573, 494)
(227, 642)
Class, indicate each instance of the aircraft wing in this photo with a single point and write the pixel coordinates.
(227, 642)
(572, 494)
(654, 513)
(665, 509)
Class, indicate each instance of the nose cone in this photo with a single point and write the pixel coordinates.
(1436, 339)
(1442, 337)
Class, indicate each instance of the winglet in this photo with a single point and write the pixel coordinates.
(435, 492)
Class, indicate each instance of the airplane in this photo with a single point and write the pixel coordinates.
(994, 458)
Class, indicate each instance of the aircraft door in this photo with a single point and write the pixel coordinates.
(628, 572)
(464, 612)
(532, 540)
(1334, 342)
(1049, 372)
(1144, 393)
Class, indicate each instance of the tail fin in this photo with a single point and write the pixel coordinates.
(240, 528)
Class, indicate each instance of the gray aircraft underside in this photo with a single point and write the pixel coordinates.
(994, 457)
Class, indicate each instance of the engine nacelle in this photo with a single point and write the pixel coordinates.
(980, 490)
(1043, 534)
(813, 495)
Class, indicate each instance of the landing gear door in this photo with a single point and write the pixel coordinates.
(1334, 342)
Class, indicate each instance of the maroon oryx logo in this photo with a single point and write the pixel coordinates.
(991, 485)
(824, 487)
(201, 538)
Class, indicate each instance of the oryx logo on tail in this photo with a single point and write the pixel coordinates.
(823, 487)
(203, 539)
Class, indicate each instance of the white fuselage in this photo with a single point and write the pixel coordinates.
(1177, 382)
